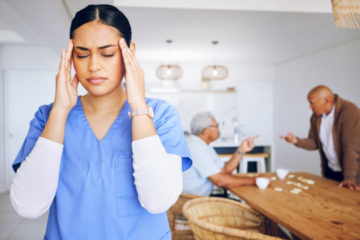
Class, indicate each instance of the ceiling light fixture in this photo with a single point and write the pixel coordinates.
(346, 13)
(214, 72)
(169, 71)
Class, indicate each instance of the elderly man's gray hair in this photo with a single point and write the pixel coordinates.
(200, 121)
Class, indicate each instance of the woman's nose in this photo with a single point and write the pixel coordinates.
(94, 64)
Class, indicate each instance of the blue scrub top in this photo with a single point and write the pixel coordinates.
(96, 196)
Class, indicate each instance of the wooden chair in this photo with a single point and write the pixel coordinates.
(176, 218)
(213, 218)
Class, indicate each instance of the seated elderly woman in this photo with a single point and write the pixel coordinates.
(207, 169)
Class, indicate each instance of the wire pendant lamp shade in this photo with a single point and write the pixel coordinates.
(346, 13)
(169, 71)
(214, 72)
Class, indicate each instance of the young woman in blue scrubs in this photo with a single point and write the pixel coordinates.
(106, 163)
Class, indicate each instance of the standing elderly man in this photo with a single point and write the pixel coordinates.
(208, 169)
(335, 131)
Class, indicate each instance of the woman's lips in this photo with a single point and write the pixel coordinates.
(96, 80)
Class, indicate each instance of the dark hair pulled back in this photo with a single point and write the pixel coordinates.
(106, 14)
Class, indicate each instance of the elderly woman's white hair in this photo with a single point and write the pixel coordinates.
(200, 121)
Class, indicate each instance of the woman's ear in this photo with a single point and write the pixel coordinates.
(133, 48)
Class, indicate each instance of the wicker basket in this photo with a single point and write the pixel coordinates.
(219, 218)
(346, 13)
(175, 217)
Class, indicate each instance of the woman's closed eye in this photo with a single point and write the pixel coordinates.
(105, 54)
(82, 56)
(108, 55)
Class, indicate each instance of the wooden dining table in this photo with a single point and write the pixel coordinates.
(319, 209)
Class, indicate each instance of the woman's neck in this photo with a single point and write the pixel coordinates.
(108, 103)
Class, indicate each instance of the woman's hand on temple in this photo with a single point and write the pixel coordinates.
(66, 90)
(134, 75)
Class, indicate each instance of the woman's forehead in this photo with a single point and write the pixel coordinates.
(95, 34)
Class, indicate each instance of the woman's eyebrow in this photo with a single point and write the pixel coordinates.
(102, 47)
(107, 46)
(82, 48)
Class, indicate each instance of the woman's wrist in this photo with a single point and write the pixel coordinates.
(136, 106)
(60, 112)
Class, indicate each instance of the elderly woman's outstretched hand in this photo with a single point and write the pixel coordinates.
(66, 90)
(134, 75)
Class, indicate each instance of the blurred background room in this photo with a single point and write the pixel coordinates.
(271, 52)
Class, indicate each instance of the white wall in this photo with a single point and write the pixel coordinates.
(17, 56)
(2, 125)
(19, 60)
(255, 109)
(338, 68)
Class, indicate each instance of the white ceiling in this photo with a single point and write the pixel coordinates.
(265, 36)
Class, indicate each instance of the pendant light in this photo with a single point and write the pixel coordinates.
(214, 72)
(169, 71)
(346, 13)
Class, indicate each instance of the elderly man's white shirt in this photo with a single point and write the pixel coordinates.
(206, 162)
(327, 141)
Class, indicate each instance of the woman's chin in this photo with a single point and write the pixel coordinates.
(100, 91)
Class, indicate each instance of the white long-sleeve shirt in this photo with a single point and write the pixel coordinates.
(327, 140)
(158, 177)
